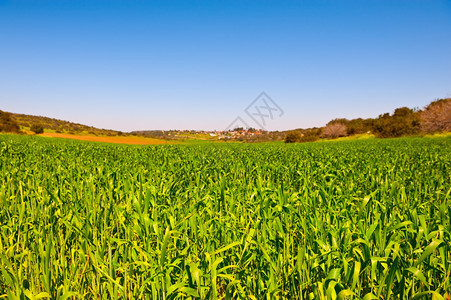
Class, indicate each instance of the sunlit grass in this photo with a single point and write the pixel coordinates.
(357, 219)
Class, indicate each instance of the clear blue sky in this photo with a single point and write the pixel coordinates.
(132, 65)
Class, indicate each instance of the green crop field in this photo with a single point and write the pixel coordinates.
(353, 219)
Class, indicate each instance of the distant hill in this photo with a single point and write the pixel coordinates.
(434, 118)
(49, 124)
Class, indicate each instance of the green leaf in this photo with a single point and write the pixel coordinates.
(435, 295)
(429, 249)
(345, 293)
(369, 296)
(355, 275)
(164, 247)
(418, 274)
(225, 248)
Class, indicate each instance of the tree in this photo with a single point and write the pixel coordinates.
(359, 126)
(334, 130)
(404, 121)
(437, 116)
(293, 137)
(37, 129)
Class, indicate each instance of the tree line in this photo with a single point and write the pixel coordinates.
(404, 121)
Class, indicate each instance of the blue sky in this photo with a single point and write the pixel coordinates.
(133, 65)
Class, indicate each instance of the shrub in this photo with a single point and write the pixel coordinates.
(293, 137)
(404, 121)
(38, 129)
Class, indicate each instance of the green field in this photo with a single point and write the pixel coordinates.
(353, 219)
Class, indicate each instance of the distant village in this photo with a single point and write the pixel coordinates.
(239, 133)
(225, 134)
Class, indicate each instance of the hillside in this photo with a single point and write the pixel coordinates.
(433, 118)
(7, 124)
(59, 126)
(54, 128)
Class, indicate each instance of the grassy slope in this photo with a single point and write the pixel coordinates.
(52, 125)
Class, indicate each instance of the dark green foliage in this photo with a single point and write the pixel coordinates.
(404, 121)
